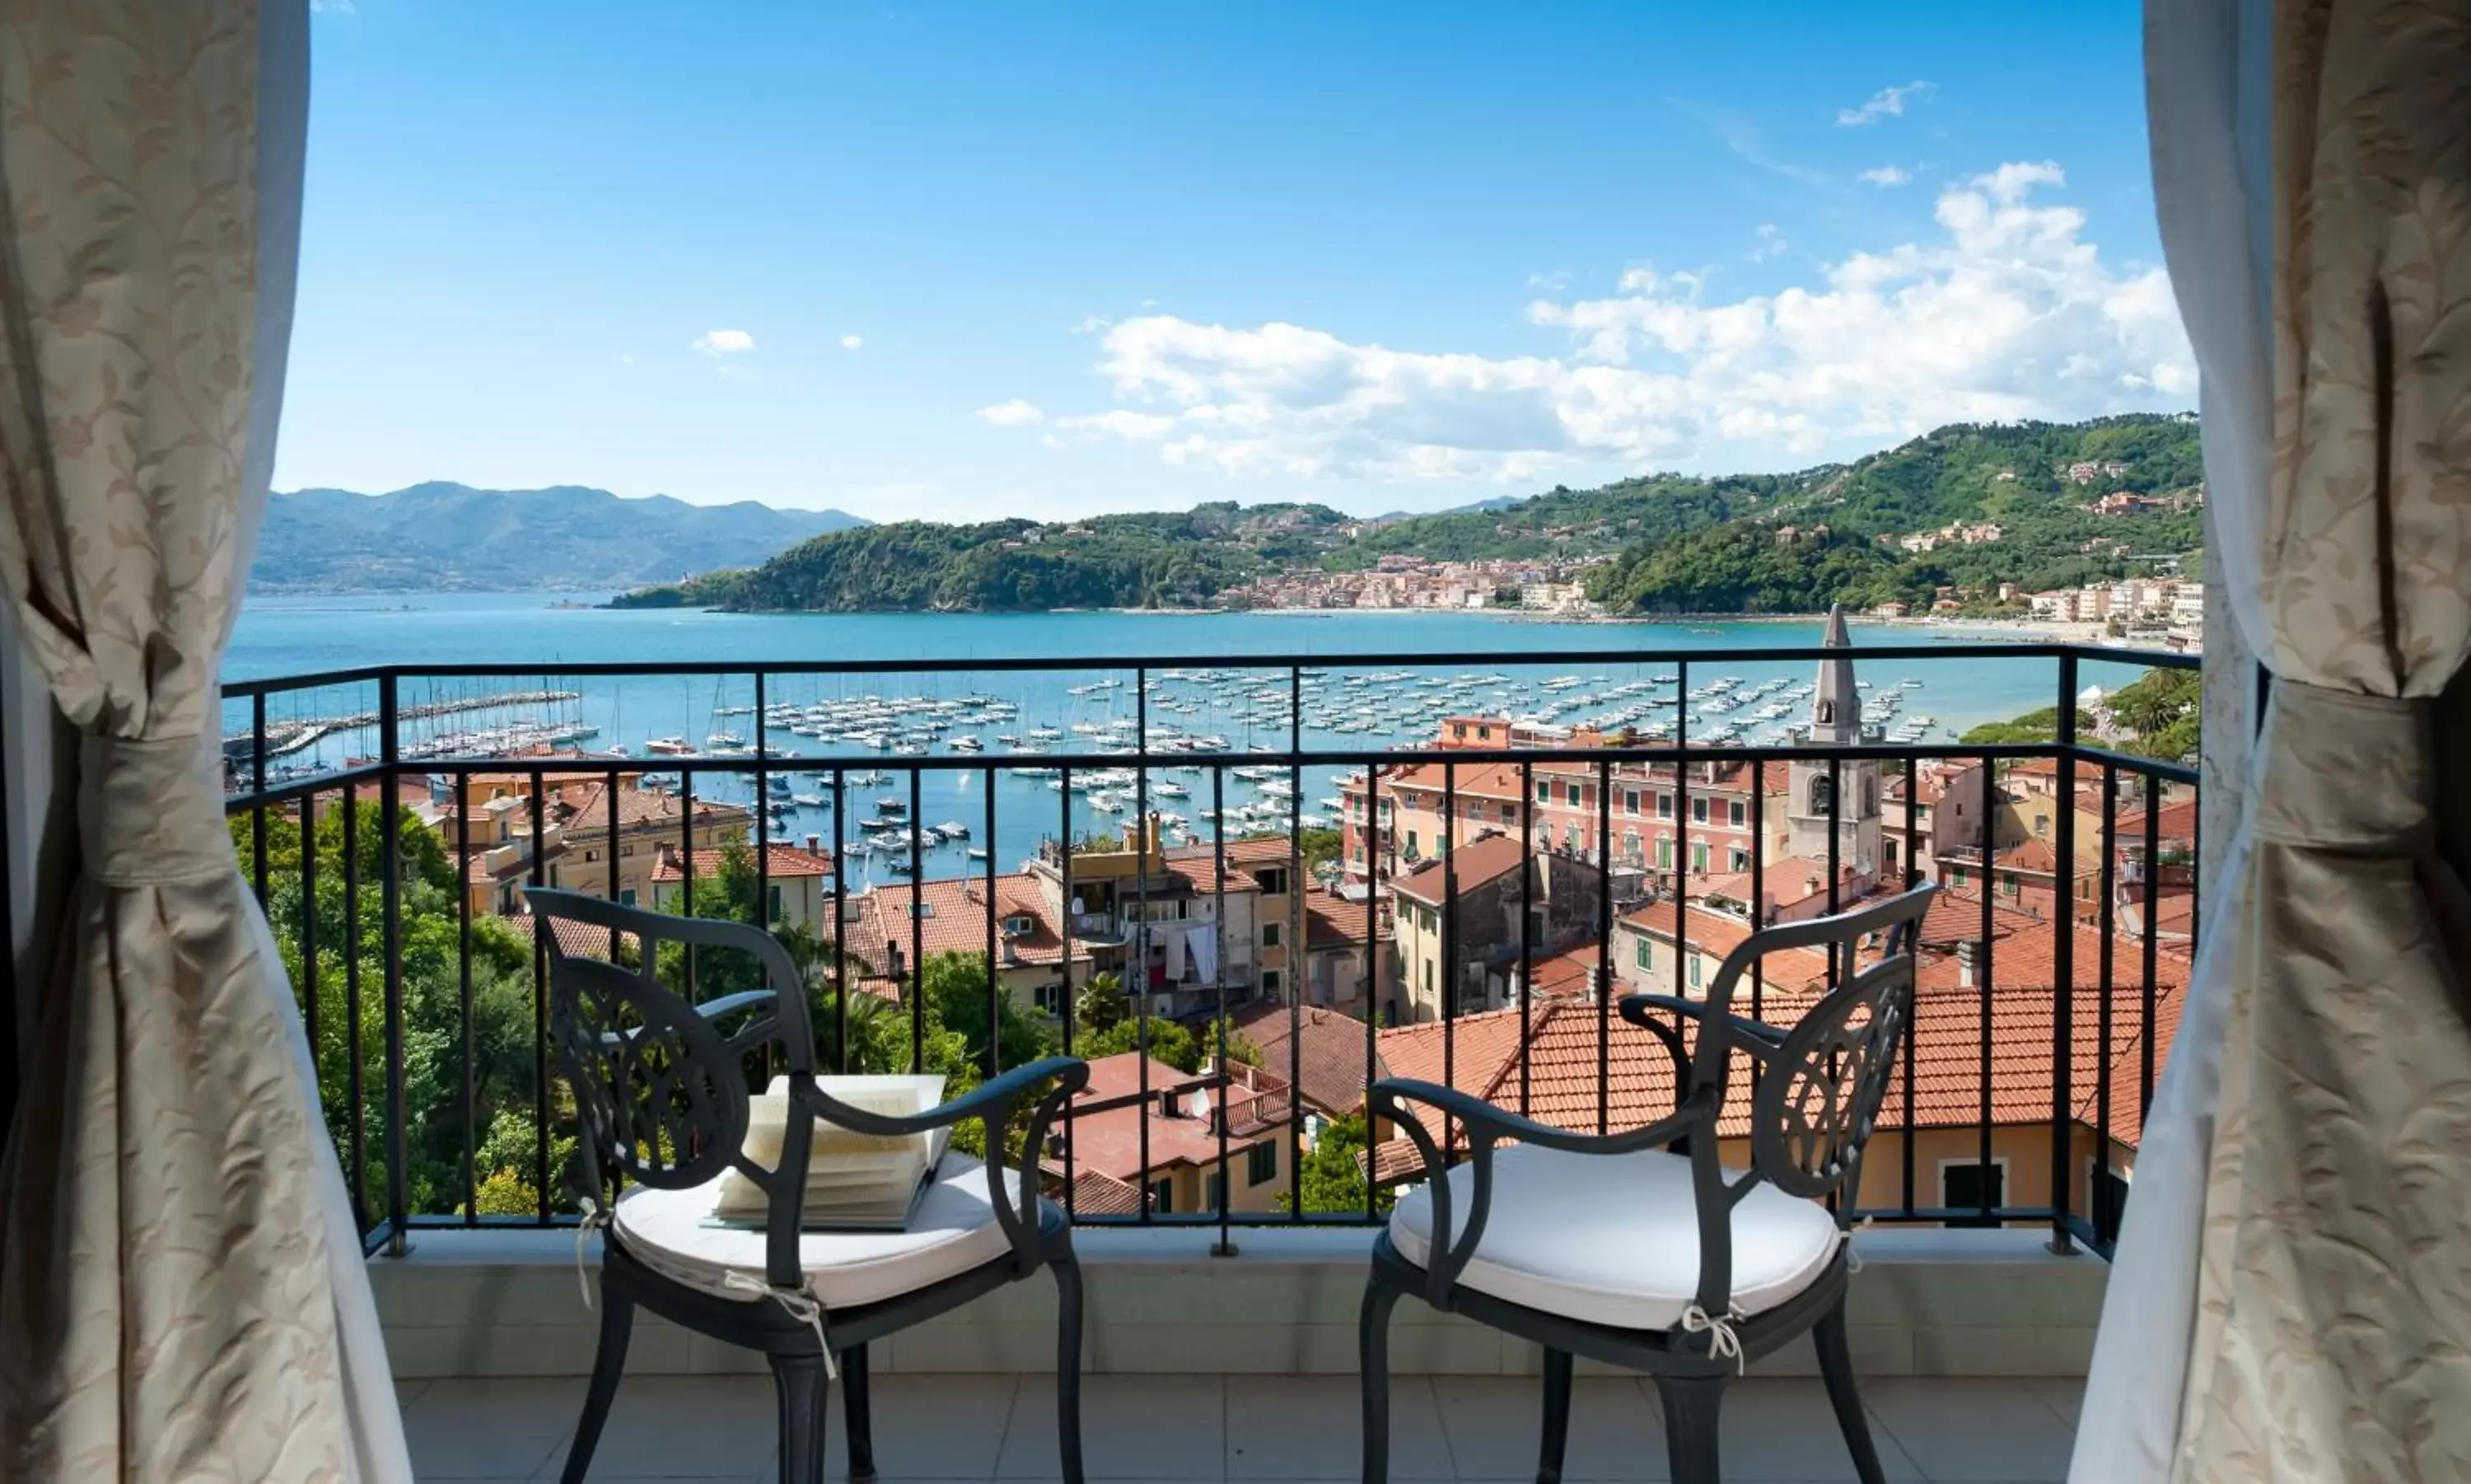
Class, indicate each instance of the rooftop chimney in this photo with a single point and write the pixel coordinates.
(814, 844)
(1968, 954)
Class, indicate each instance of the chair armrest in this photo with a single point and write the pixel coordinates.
(1487, 1126)
(1764, 1040)
(990, 1104)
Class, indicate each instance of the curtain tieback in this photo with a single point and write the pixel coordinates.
(148, 812)
(2343, 770)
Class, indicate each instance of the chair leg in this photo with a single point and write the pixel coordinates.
(1068, 1367)
(1693, 1407)
(855, 1415)
(804, 1390)
(1836, 1368)
(1373, 1340)
(1557, 1415)
(608, 1363)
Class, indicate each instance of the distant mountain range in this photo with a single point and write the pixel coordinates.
(447, 538)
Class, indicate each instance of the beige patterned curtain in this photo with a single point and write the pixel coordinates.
(2333, 1331)
(2324, 1331)
(177, 1298)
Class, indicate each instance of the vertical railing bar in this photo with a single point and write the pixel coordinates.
(311, 1015)
(390, 909)
(995, 973)
(917, 927)
(2152, 941)
(840, 920)
(354, 1041)
(1072, 1002)
(1450, 946)
(257, 773)
(1372, 973)
(1982, 989)
(1297, 960)
(541, 927)
(1912, 1031)
(1835, 952)
(1141, 903)
(1840, 955)
(1681, 837)
(1225, 1246)
(1528, 818)
(1758, 786)
(763, 836)
(612, 880)
(469, 1101)
(2106, 1234)
(687, 885)
(1604, 974)
(2063, 944)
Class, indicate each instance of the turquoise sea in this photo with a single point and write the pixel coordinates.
(524, 637)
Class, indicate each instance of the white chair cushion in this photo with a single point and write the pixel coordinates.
(952, 1231)
(1613, 1239)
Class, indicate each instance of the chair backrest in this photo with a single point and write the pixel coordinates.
(1819, 1090)
(660, 1092)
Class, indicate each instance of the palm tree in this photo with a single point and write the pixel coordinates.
(1099, 1007)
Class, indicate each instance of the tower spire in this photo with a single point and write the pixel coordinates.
(1836, 708)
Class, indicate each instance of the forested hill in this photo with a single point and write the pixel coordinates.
(1805, 547)
(1148, 560)
(1765, 543)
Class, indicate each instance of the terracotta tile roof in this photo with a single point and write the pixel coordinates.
(1567, 975)
(2176, 826)
(1094, 1193)
(1324, 1046)
(1109, 1140)
(1569, 1042)
(1716, 934)
(955, 920)
(1332, 922)
(1477, 1047)
(1788, 882)
(1472, 864)
(780, 860)
(576, 940)
(588, 810)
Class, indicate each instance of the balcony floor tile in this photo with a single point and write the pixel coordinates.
(1295, 1429)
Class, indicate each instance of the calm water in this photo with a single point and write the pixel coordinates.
(526, 637)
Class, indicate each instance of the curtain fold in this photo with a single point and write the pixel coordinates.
(2319, 1327)
(181, 1295)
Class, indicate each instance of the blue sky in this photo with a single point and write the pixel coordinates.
(965, 261)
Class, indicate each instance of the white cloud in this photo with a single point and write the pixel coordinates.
(1884, 175)
(1092, 325)
(853, 342)
(2006, 312)
(1015, 414)
(1886, 103)
(1771, 243)
(725, 342)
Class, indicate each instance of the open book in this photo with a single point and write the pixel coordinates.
(854, 1182)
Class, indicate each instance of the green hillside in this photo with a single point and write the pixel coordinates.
(1667, 543)
(1162, 560)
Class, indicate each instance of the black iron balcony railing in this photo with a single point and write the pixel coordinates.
(392, 817)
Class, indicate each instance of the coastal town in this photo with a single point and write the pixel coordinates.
(1473, 922)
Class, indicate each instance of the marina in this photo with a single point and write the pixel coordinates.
(972, 731)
